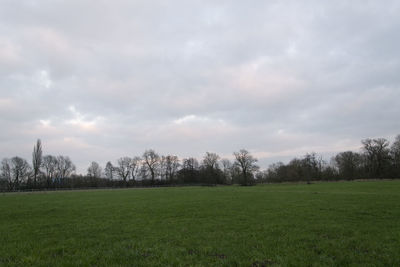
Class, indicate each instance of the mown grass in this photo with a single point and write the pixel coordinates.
(334, 224)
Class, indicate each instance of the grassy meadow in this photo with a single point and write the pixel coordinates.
(329, 224)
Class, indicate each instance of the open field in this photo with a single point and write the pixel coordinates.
(344, 223)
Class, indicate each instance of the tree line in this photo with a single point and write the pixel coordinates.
(377, 159)
(150, 169)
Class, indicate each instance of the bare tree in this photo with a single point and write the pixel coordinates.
(246, 163)
(124, 168)
(210, 171)
(6, 172)
(19, 170)
(109, 171)
(36, 161)
(65, 167)
(151, 160)
(135, 167)
(190, 164)
(395, 155)
(170, 167)
(162, 167)
(227, 169)
(189, 173)
(210, 160)
(348, 164)
(94, 170)
(50, 166)
(377, 155)
(312, 166)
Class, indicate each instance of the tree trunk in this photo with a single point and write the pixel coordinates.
(152, 176)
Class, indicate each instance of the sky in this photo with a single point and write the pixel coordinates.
(98, 80)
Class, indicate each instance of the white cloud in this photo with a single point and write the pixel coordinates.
(197, 119)
(43, 79)
(81, 121)
(45, 123)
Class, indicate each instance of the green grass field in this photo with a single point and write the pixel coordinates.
(334, 224)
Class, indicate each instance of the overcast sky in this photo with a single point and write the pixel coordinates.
(97, 80)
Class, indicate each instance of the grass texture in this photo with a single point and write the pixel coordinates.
(321, 224)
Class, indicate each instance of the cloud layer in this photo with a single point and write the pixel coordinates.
(98, 80)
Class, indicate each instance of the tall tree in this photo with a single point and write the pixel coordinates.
(36, 161)
(247, 164)
(151, 160)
